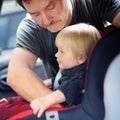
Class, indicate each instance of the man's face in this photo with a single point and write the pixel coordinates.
(50, 14)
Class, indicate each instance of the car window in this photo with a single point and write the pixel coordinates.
(11, 15)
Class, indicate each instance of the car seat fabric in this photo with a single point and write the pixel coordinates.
(10, 106)
(103, 54)
(92, 106)
(111, 90)
(74, 113)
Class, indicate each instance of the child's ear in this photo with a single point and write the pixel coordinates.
(81, 59)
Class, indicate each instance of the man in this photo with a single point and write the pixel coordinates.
(37, 32)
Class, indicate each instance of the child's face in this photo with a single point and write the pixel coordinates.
(65, 57)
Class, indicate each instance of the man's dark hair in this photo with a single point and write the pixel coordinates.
(20, 2)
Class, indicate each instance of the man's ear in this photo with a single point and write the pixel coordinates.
(81, 59)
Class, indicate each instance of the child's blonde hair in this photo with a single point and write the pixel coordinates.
(80, 37)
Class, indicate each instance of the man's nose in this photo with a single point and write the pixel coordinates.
(45, 20)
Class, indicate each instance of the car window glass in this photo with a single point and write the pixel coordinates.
(11, 15)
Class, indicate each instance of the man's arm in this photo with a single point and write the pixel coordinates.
(21, 76)
(116, 20)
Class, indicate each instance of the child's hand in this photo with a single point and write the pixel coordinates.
(39, 105)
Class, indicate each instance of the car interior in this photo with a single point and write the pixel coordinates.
(101, 100)
(1, 4)
(9, 22)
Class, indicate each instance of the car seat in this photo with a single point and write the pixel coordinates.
(95, 104)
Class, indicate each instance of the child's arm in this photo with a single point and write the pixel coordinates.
(39, 105)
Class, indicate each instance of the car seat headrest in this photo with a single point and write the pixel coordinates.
(103, 54)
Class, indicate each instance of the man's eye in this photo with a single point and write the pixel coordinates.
(36, 14)
(51, 5)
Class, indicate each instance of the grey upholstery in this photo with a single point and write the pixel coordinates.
(111, 91)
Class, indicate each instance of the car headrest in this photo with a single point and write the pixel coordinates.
(103, 54)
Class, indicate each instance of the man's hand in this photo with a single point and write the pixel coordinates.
(48, 82)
